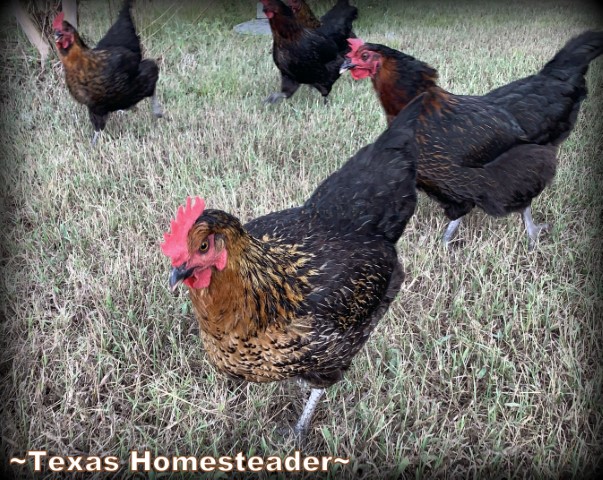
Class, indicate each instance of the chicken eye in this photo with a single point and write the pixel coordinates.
(364, 57)
(204, 246)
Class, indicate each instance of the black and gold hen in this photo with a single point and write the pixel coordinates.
(496, 151)
(296, 293)
(111, 76)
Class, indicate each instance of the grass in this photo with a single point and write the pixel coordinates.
(488, 364)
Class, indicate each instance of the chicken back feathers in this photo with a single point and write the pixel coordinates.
(303, 288)
(122, 34)
(304, 14)
(335, 24)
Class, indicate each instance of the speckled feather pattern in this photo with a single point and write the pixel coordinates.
(300, 303)
(108, 80)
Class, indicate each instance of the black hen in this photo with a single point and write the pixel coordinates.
(496, 151)
(303, 55)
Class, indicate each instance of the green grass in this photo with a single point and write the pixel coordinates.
(487, 365)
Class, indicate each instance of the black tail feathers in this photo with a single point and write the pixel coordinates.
(123, 32)
(575, 56)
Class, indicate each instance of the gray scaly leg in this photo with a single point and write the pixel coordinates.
(156, 107)
(452, 226)
(532, 229)
(304, 420)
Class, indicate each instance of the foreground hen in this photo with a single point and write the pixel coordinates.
(296, 293)
(110, 77)
(305, 55)
(496, 151)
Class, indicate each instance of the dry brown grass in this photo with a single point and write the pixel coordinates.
(488, 364)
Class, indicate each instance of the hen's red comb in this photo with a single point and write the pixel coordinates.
(355, 44)
(58, 21)
(174, 245)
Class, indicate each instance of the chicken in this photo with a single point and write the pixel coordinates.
(303, 55)
(296, 293)
(112, 76)
(497, 151)
(336, 23)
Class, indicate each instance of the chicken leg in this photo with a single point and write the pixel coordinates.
(450, 230)
(304, 420)
(532, 229)
(156, 107)
(98, 121)
(288, 88)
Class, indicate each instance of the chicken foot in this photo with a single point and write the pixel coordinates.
(275, 97)
(288, 88)
(304, 420)
(532, 229)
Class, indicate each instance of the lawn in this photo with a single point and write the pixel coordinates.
(489, 362)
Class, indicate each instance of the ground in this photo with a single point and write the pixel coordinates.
(488, 364)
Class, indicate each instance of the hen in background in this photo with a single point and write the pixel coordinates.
(112, 76)
(496, 151)
(310, 56)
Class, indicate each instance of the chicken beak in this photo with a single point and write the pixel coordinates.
(346, 65)
(178, 274)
